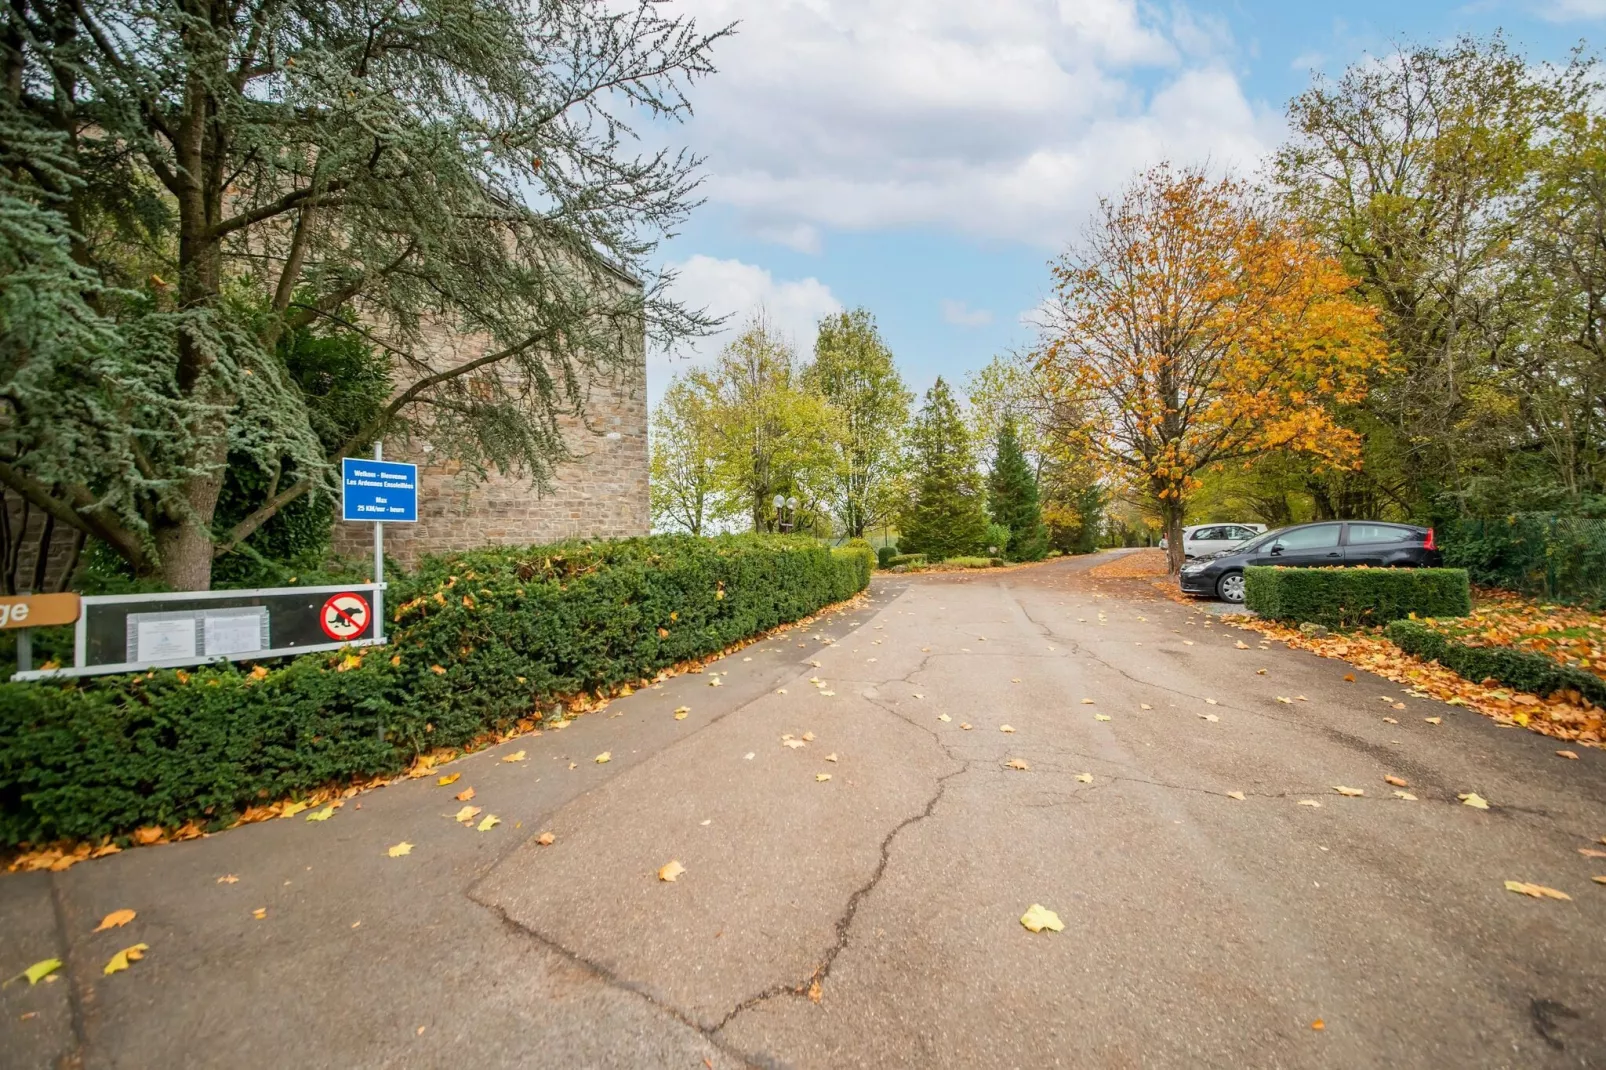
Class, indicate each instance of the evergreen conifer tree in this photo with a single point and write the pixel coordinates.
(944, 518)
(1012, 497)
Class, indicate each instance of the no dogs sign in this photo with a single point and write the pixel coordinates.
(345, 616)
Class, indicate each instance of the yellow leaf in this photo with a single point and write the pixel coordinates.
(1538, 891)
(793, 743)
(1398, 782)
(1241, 645)
(604, 758)
(1016, 763)
(670, 871)
(1567, 754)
(966, 725)
(1349, 678)
(681, 712)
(1212, 718)
(516, 756)
(1289, 701)
(1144, 706)
(487, 823)
(830, 757)
(259, 673)
(437, 670)
(1087, 702)
(465, 795)
(403, 848)
(1236, 795)
(322, 815)
(807, 737)
(1407, 796)
(121, 960)
(1318, 1025)
(1002, 728)
(1390, 720)
(1038, 917)
(1101, 717)
(467, 813)
(943, 717)
(1260, 672)
(1085, 778)
(1434, 720)
(228, 878)
(1211, 701)
(115, 920)
(450, 778)
(1474, 800)
(714, 681)
(39, 971)
(546, 839)
(1310, 802)
(1342, 790)
(821, 778)
(292, 809)
(259, 913)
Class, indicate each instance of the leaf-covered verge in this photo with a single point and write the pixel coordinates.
(482, 642)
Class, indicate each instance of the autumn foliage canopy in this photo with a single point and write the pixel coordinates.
(1198, 325)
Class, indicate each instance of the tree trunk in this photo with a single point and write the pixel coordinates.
(1171, 519)
(184, 543)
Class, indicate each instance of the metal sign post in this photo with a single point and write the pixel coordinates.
(386, 493)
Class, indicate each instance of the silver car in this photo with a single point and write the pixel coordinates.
(1202, 539)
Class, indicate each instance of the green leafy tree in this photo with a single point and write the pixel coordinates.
(183, 182)
(1012, 497)
(944, 517)
(684, 491)
(854, 370)
(773, 432)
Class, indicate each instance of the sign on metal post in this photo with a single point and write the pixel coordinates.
(378, 490)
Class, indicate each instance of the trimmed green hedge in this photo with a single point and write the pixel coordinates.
(479, 640)
(905, 559)
(1353, 597)
(1521, 670)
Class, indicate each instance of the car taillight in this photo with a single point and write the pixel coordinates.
(1429, 544)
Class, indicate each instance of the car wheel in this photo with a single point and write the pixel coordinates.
(1231, 587)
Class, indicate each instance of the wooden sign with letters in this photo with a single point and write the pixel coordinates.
(37, 610)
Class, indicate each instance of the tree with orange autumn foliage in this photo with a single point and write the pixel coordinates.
(1198, 326)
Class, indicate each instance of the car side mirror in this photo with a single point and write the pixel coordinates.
(1276, 549)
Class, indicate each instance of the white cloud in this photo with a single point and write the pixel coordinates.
(1004, 119)
(962, 315)
(738, 291)
(1571, 10)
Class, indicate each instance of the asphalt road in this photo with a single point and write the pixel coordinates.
(872, 919)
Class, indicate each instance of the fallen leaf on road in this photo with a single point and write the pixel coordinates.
(778, 691)
(1289, 701)
(1236, 795)
(574, 765)
(450, 778)
(1210, 717)
(1260, 672)
(814, 997)
(748, 756)
(1598, 880)
(118, 918)
(121, 960)
(546, 839)
(322, 815)
(1567, 754)
(1012, 679)
(1006, 728)
(1241, 645)
(828, 694)
(821, 778)
(830, 757)
(793, 743)
(1407, 796)
(259, 913)
(1211, 701)
(1101, 717)
(1434, 720)
(714, 681)
(966, 725)
(1590, 852)
(670, 870)
(1087, 702)
(290, 810)
(1187, 642)
(808, 737)
(1349, 678)
(228, 878)
(1310, 802)
(1085, 778)
(39, 971)
(1016, 763)
(1474, 800)
(1318, 1025)
(465, 795)
(604, 758)
(487, 823)
(681, 712)
(1398, 782)
(1399, 705)
(467, 813)
(1538, 891)
(917, 695)
(516, 756)
(1038, 917)
(403, 848)
(1390, 720)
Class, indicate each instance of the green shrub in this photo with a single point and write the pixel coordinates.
(1353, 597)
(1521, 670)
(973, 562)
(480, 639)
(885, 555)
(905, 560)
(1543, 554)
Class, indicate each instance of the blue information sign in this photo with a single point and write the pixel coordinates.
(378, 490)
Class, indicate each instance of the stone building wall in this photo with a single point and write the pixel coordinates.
(602, 492)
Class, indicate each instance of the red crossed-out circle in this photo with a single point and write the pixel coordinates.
(344, 616)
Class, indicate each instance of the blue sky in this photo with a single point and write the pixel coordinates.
(927, 158)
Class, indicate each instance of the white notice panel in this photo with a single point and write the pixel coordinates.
(160, 640)
(234, 631)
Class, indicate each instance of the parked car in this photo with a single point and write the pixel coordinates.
(1348, 542)
(1202, 539)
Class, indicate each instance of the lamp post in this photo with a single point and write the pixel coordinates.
(783, 505)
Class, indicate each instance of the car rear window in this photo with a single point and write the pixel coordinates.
(1360, 534)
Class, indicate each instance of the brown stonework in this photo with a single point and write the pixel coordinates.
(601, 493)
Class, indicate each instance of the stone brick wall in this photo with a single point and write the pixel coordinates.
(601, 493)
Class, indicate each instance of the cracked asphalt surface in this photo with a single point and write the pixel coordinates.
(872, 919)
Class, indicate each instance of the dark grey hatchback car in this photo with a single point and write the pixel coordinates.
(1346, 542)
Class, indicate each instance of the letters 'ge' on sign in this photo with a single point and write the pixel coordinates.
(38, 610)
(378, 490)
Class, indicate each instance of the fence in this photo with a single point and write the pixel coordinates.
(1546, 555)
